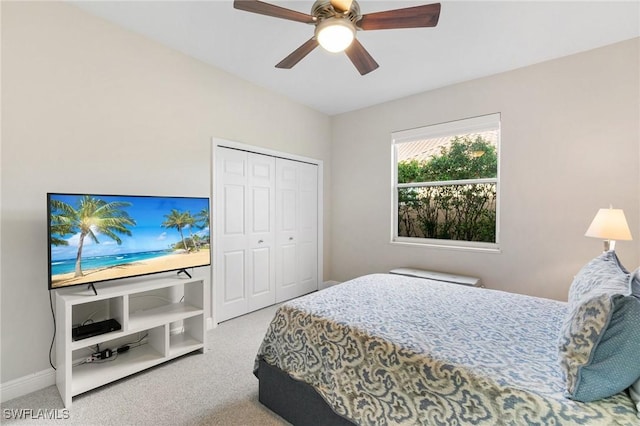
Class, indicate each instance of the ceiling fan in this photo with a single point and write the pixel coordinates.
(336, 23)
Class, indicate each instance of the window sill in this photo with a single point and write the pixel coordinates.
(441, 244)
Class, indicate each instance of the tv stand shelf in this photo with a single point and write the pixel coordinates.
(157, 326)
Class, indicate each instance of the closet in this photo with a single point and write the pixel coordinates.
(266, 230)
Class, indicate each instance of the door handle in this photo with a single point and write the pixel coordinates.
(260, 241)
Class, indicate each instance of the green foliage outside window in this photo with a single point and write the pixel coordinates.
(461, 211)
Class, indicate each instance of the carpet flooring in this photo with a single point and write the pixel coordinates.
(215, 388)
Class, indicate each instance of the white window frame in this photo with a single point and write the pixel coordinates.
(451, 128)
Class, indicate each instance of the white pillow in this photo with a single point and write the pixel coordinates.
(634, 390)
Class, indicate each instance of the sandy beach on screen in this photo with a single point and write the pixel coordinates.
(169, 262)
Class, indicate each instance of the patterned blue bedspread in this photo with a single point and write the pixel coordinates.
(387, 349)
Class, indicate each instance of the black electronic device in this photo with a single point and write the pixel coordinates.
(94, 329)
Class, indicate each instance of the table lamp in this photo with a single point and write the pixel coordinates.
(610, 225)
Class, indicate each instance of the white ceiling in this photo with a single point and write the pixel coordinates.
(473, 39)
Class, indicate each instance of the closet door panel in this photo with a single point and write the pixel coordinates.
(289, 267)
(308, 230)
(307, 264)
(234, 217)
(233, 267)
(261, 264)
(261, 215)
(296, 232)
(230, 265)
(286, 229)
(288, 212)
(261, 236)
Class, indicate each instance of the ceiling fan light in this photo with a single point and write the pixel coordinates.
(335, 34)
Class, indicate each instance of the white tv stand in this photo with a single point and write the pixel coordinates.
(74, 377)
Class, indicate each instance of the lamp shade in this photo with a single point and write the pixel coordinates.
(609, 224)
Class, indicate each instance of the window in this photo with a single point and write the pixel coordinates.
(446, 183)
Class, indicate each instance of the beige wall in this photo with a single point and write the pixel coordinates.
(570, 145)
(89, 107)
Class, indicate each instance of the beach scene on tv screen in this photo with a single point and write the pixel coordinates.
(96, 238)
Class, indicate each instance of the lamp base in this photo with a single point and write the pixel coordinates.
(609, 245)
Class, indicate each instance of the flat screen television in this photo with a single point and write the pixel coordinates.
(94, 238)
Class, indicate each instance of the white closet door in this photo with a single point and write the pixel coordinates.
(261, 274)
(231, 233)
(296, 229)
(308, 228)
(245, 275)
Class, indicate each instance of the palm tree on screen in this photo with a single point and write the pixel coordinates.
(61, 222)
(191, 222)
(202, 218)
(95, 216)
(178, 220)
(90, 218)
(202, 222)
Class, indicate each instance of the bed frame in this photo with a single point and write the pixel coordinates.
(297, 402)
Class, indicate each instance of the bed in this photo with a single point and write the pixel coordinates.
(388, 349)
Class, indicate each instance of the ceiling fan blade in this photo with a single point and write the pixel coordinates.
(268, 9)
(362, 60)
(341, 5)
(298, 54)
(410, 17)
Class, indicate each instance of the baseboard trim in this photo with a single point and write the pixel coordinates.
(327, 284)
(27, 384)
(210, 324)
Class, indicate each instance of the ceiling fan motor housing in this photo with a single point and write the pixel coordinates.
(323, 9)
